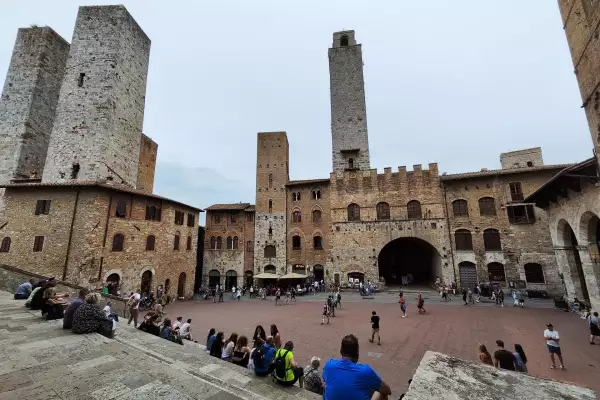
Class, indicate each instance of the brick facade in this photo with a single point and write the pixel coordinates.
(147, 164)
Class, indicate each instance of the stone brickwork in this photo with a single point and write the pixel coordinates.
(522, 158)
(79, 230)
(349, 134)
(147, 164)
(100, 113)
(29, 100)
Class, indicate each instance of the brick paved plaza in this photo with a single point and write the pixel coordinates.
(448, 328)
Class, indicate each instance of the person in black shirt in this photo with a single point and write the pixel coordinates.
(503, 359)
(375, 326)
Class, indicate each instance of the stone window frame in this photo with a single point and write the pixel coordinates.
(5, 247)
(316, 212)
(497, 269)
(532, 274)
(179, 217)
(150, 243)
(118, 242)
(267, 251)
(353, 212)
(270, 206)
(232, 242)
(121, 209)
(316, 194)
(516, 191)
(296, 196)
(344, 40)
(153, 213)
(463, 240)
(191, 220)
(296, 216)
(383, 211)
(249, 246)
(42, 207)
(216, 218)
(249, 217)
(317, 241)
(219, 243)
(491, 240)
(487, 206)
(176, 241)
(270, 180)
(460, 208)
(296, 242)
(188, 245)
(413, 210)
(233, 217)
(38, 244)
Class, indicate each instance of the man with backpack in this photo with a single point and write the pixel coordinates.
(262, 357)
(286, 371)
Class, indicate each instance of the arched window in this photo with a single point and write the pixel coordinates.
(460, 208)
(121, 209)
(413, 209)
(270, 269)
(353, 212)
(487, 206)
(383, 211)
(316, 194)
(534, 273)
(463, 240)
(296, 196)
(296, 242)
(117, 244)
(491, 240)
(5, 248)
(219, 243)
(235, 243)
(188, 246)
(344, 40)
(213, 242)
(496, 272)
(270, 181)
(150, 241)
(351, 163)
(316, 216)
(176, 240)
(297, 217)
(317, 242)
(229, 242)
(270, 205)
(270, 251)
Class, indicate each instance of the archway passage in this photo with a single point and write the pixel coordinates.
(214, 278)
(574, 260)
(318, 272)
(181, 285)
(112, 283)
(146, 286)
(249, 278)
(409, 260)
(230, 279)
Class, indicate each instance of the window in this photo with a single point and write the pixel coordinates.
(219, 244)
(296, 217)
(413, 209)
(235, 243)
(74, 171)
(229, 243)
(296, 243)
(353, 212)
(530, 163)
(189, 243)
(296, 196)
(270, 231)
(317, 242)
(270, 181)
(383, 211)
(344, 40)
(38, 243)
(534, 273)
(233, 218)
(42, 207)
(176, 240)
(351, 163)
(179, 216)
(491, 240)
(270, 251)
(250, 247)
(217, 218)
(249, 217)
(487, 206)
(151, 240)
(153, 213)
(213, 242)
(191, 220)
(316, 216)
(520, 214)
(270, 205)
(117, 243)
(5, 247)
(463, 240)
(496, 272)
(516, 191)
(460, 208)
(270, 269)
(80, 79)
(316, 194)
(121, 209)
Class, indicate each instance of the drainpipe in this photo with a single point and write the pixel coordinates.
(449, 230)
(66, 265)
(105, 234)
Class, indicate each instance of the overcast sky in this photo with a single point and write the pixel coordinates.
(454, 82)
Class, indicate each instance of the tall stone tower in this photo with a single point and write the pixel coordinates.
(580, 21)
(98, 126)
(350, 139)
(29, 100)
(270, 227)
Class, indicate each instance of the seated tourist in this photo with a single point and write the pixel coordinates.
(312, 376)
(89, 317)
(210, 339)
(263, 356)
(24, 290)
(38, 301)
(177, 323)
(217, 346)
(150, 323)
(167, 332)
(346, 379)
(70, 311)
(31, 296)
(53, 307)
(241, 352)
(228, 347)
(185, 330)
(286, 371)
(158, 309)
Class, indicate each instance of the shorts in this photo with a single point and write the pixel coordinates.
(554, 350)
(278, 298)
(403, 307)
(375, 330)
(594, 330)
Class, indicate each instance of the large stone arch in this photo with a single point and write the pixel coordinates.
(589, 226)
(411, 257)
(114, 271)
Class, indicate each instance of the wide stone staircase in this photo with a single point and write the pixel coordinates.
(40, 360)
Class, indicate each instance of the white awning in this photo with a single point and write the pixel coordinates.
(266, 275)
(293, 275)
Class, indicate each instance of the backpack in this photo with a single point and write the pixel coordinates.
(258, 356)
(280, 369)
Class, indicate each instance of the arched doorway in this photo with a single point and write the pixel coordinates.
(112, 283)
(249, 278)
(410, 259)
(356, 277)
(318, 272)
(496, 272)
(167, 286)
(214, 278)
(181, 285)
(270, 269)
(230, 279)
(146, 286)
(467, 272)
(575, 267)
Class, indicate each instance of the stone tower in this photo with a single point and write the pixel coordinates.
(350, 140)
(580, 21)
(29, 100)
(98, 126)
(147, 164)
(272, 174)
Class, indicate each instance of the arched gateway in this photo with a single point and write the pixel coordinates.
(409, 257)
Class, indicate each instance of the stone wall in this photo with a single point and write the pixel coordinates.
(147, 164)
(100, 111)
(28, 102)
(522, 158)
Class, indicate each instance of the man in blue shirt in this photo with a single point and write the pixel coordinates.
(70, 311)
(24, 290)
(345, 379)
(263, 358)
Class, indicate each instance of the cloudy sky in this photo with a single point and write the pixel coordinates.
(453, 82)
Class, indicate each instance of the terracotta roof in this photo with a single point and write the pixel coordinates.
(307, 182)
(230, 206)
(90, 184)
(250, 208)
(507, 171)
